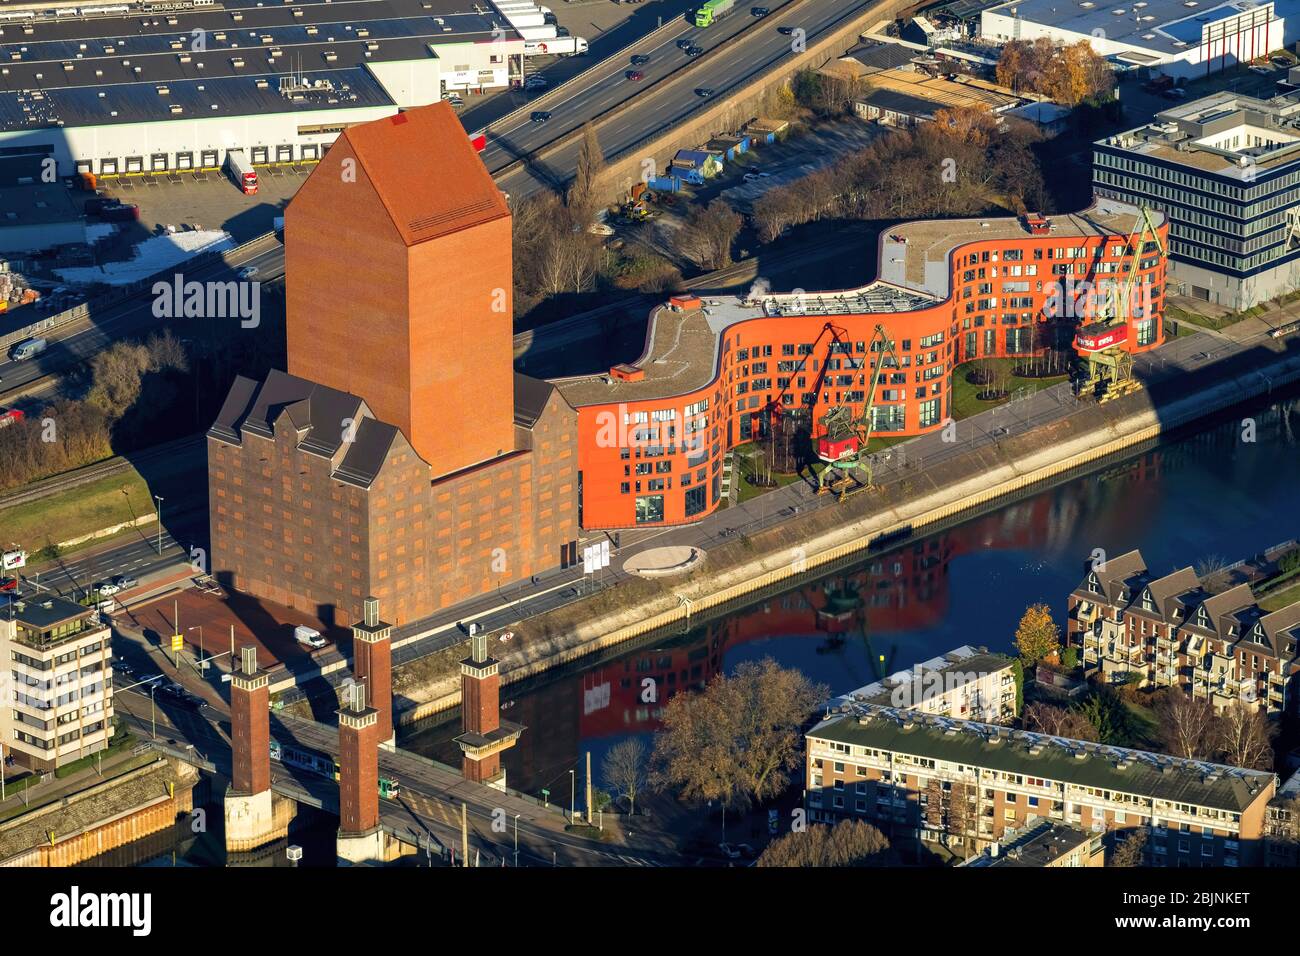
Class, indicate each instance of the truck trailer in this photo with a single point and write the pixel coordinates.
(713, 10)
(241, 171)
(560, 46)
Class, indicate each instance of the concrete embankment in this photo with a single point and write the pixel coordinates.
(808, 545)
(100, 818)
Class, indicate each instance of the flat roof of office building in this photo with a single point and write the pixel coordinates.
(1167, 26)
(1186, 134)
(919, 258)
(682, 348)
(55, 73)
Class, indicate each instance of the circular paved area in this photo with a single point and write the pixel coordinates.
(662, 562)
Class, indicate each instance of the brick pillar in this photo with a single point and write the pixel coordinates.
(358, 766)
(484, 734)
(372, 654)
(250, 726)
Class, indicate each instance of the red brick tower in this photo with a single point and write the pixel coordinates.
(250, 727)
(485, 734)
(254, 816)
(372, 657)
(358, 766)
(398, 285)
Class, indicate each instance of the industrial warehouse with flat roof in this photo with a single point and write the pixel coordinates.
(153, 91)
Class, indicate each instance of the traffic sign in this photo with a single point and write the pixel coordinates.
(178, 642)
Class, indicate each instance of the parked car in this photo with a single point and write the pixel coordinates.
(10, 416)
(540, 116)
(126, 581)
(1262, 70)
(635, 75)
(597, 229)
(1175, 94)
(105, 588)
(8, 584)
(693, 51)
(248, 272)
(685, 43)
(785, 31)
(640, 60)
(759, 11)
(535, 81)
(703, 92)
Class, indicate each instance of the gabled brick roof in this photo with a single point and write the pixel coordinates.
(427, 174)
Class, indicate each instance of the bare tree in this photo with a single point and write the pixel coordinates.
(1186, 723)
(1243, 736)
(583, 191)
(848, 843)
(1058, 722)
(710, 232)
(624, 769)
(737, 741)
(1129, 852)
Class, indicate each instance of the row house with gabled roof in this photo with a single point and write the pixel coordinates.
(1172, 631)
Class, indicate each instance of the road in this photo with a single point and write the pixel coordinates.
(425, 813)
(77, 343)
(726, 65)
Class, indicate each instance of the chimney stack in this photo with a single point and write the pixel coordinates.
(250, 726)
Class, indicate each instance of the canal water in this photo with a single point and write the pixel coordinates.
(1210, 495)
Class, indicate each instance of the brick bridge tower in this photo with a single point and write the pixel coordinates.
(372, 661)
(250, 809)
(485, 735)
(360, 839)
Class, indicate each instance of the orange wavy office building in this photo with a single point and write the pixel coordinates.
(715, 374)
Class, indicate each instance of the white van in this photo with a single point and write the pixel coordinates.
(308, 636)
(27, 348)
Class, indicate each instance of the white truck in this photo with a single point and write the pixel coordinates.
(308, 636)
(560, 46)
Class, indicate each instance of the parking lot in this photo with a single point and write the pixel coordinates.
(208, 199)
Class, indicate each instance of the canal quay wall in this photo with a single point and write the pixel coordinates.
(809, 545)
(100, 818)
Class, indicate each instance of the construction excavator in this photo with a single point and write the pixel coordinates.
(1100, 343)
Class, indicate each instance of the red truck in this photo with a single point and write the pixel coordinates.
(241, 171)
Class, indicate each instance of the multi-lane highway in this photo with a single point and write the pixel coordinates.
(517, 152)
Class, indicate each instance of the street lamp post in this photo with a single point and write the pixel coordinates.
(2, 794)
(158, 514)
(153, 711)
(202, 650)
(573, 796)
(516, 841)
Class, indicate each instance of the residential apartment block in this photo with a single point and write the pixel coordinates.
(1282, 825)
(964, 785)
(967, 683)
(58, 706)
(1043, 844)
(1172, 632)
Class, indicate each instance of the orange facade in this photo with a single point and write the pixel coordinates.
(398, 285)
(658, 461)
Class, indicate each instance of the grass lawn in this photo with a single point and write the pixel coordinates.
(964, 402)
(1214, 324)
(744, 460)
(77, 511)
(1281, 598)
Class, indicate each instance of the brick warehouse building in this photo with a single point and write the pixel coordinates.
(400, 456)
(716, 374)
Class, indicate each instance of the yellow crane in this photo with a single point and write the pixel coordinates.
(1101, 343)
